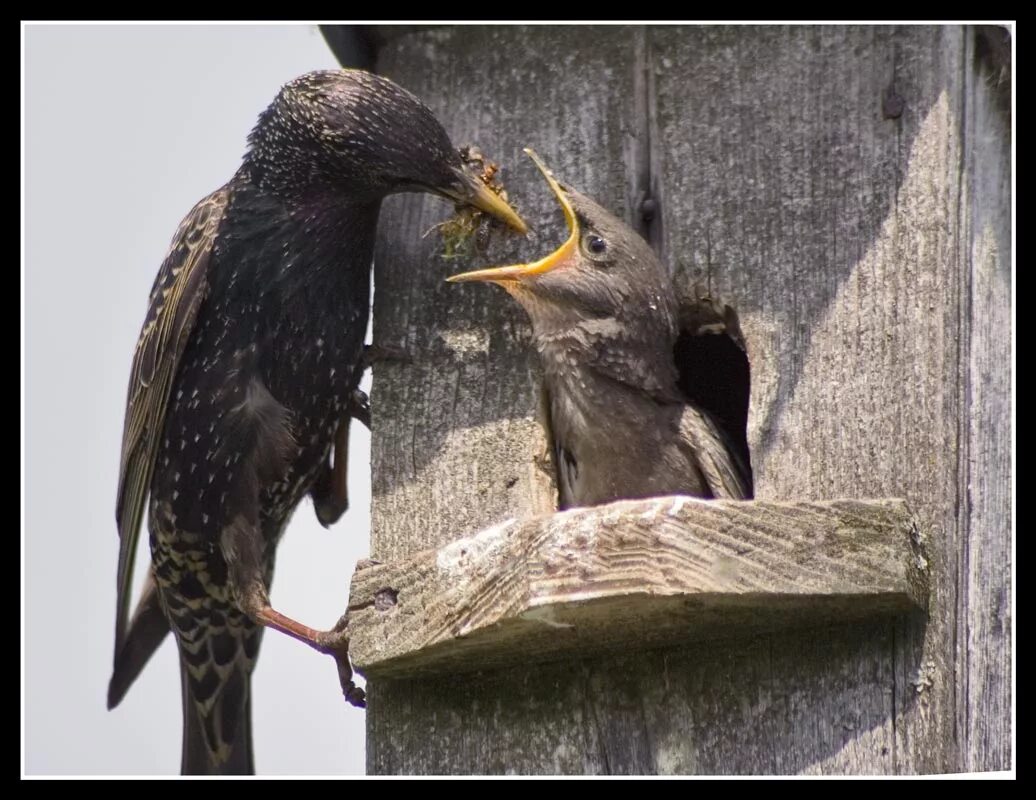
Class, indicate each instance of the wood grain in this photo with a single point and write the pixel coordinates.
(632, 575)
(984, 603)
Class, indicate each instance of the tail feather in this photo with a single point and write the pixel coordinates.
(146, 632)
(218, 742)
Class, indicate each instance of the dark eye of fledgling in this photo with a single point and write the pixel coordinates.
(594, 245)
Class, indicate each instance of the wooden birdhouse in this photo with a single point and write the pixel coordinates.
(838, 199)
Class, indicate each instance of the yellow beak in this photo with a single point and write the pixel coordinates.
(517, 272)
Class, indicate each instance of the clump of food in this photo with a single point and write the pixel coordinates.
(467, 231)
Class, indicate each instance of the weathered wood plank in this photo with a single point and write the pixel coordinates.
(984, 621)
(633, 575)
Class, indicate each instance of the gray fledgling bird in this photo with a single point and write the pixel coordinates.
(604, 320)
(245, 377)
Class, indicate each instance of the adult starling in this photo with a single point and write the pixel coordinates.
(604, 322)
(246, 374)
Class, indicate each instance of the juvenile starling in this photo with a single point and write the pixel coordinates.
(604, 320)
(245, 376)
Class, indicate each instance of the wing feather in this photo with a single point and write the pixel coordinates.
(719, 464)
(176, 296)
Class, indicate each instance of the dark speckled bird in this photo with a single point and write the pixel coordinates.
(244, 380)
(604, 322)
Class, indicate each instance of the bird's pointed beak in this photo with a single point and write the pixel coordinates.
(472, 191)
(518, 272)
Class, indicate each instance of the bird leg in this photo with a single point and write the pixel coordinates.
(242, 550)
(330, 490)
(334, 642)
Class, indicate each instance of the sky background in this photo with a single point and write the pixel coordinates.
(126, 127)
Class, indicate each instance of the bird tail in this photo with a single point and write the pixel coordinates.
(217, 738)
(146, 632)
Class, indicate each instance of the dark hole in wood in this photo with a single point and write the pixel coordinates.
(386, 598)
(714, 371)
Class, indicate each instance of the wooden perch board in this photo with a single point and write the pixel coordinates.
(634, 574)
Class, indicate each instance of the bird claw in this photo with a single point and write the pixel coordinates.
(359, 408)
(335, 643)
(354, 695)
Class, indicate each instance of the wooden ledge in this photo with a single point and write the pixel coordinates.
(634, 574)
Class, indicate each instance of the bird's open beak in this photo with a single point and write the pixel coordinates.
(517, 272)
(472, 191)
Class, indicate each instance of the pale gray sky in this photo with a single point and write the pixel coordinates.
(126, 128)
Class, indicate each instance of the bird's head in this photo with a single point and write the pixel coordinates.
(350, 130)
(603, 271)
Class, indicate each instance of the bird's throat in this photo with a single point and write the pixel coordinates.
(606, 354)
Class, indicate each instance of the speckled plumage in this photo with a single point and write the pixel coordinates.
(245, 369)
(604, 318)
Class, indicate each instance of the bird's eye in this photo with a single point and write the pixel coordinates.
(594, 245)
